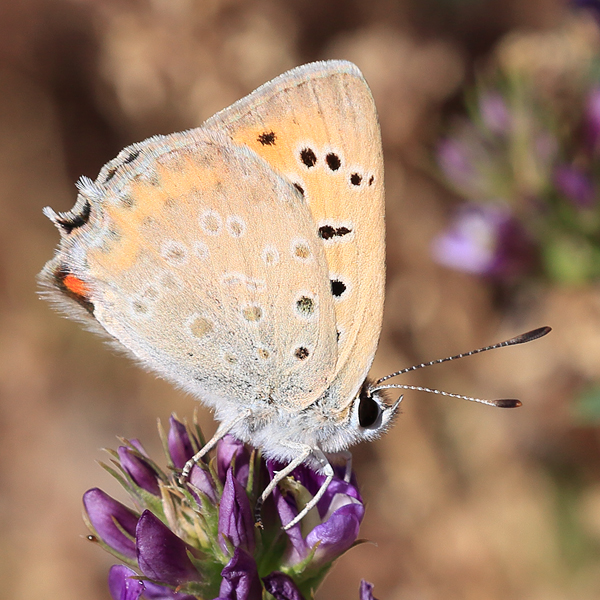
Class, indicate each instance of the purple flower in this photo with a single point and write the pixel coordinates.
(453, 158)
(240, 578)
(114, 523)
(139, 469)
(485, 240)
(201, 479)
(235, 516)
(198, 538)
(494, 112)
(229, 449)
(366, 590)
(575, 185)
(340, 512)
(592, 116)
(162, 556)
(125, 584)
(592, 5)
(180, 446)
(281, 587)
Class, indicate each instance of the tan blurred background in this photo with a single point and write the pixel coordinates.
(464, 501)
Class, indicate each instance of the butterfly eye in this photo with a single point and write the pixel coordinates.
(368, 411)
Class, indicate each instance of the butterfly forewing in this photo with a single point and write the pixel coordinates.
(318, 127)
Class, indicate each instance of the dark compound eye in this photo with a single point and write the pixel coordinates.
(368, 410)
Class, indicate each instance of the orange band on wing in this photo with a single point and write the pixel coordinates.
(75, 285)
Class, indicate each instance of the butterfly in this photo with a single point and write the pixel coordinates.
(244, 261)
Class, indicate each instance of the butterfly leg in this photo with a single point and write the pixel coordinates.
(346, 456)
(306, 451)
(222, 431)
(328, 472)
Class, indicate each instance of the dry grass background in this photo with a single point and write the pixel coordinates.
(464, 502)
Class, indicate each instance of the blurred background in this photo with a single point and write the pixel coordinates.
(490, 116)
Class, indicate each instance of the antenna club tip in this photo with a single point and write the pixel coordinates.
(534, 334)
(508, 403)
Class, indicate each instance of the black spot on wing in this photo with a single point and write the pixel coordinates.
(308, 157)
(267, 138)
(132, 156)
(327, 232)
(333, 161)
(301, 353)
(337, 287)
(111, 173)
(68, 223)
(355, 179)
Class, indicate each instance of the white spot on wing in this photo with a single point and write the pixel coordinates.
(211, 222)
(236, 226)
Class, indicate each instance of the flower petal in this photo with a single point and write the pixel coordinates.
(202, 479)
(336, 534)
(122, 585)
(575, 185)
(142, 473)
(366, 590)
(240, 578)
(281, 587)
(162, 556)
(154, 591)
(235, 516)
(103, 511)
(228, 449)
(178, 441)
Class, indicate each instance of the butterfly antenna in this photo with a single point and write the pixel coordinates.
(502, 403)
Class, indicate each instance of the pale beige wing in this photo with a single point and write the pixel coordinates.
(205, 264)
(317, 125)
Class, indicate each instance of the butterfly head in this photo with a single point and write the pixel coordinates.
(371, 414)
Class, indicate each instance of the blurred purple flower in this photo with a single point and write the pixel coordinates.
(453, 158)
(485, 240)
(340, 513)
(162, 556)
(592, 5)
(366, 590)
(178, 441)
(494, 112)
(592, 117)
(281, 587)
(114, 523)
(236, 522)
(240, 578)
(140, 470)
(228, 449)
(575, 185)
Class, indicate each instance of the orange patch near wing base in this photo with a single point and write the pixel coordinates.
(74, 288)
(75, 285)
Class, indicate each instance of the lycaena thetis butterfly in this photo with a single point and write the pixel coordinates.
(244, 261)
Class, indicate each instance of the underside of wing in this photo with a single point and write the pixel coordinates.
(317, 126)
(205, 264)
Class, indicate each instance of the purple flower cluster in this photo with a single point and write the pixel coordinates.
(199, 540)
(528, 166)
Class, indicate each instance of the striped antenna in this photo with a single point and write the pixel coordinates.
(502, 403)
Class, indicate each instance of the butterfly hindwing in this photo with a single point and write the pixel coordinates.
(205, 264)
